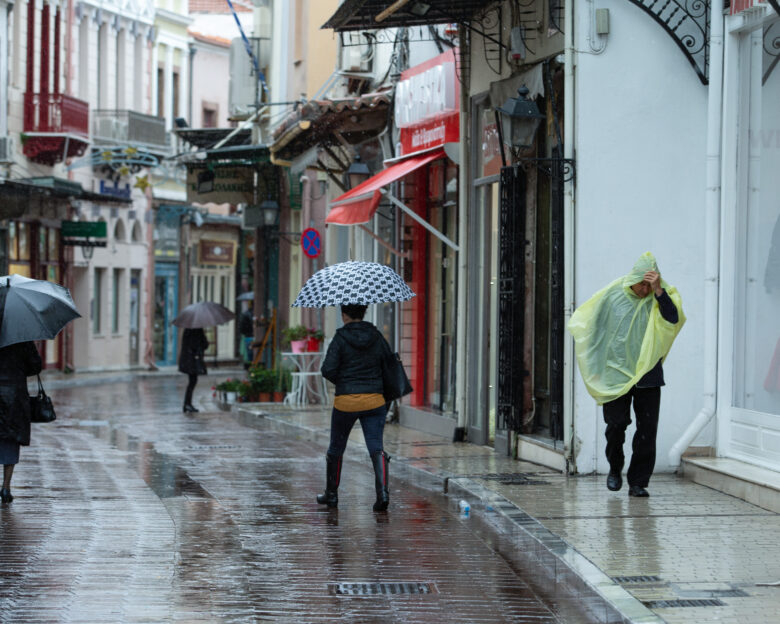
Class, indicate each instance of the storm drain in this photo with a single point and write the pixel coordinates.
(685, 602)
(387, 589)
(629, 580)
(210, 447)
(510, 478)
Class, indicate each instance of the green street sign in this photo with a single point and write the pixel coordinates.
(84, 229)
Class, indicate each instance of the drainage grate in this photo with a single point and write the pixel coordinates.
(389, 589)
(510, 478)
(627, 580)
(689, 602)
(431, 443)
(712, 593)
(210, 447)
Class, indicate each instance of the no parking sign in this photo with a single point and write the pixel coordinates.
(311, 242)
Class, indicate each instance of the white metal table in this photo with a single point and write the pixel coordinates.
(307, 381)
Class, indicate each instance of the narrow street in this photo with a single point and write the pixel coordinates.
(127, 510)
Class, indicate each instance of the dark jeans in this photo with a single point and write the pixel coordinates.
(372, 422)
(193, 379)
(617, 415)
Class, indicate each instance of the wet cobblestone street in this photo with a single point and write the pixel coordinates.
(127, 510)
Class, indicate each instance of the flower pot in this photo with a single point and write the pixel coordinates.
(278, 396)
(230, 397)
(298, 346)
(312, 345)
(264, 397)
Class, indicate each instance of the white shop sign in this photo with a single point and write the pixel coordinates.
(425, 95)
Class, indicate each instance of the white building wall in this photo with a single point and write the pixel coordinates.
(640, 147)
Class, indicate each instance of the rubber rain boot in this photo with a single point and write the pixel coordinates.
(332, 478)
(381, 463)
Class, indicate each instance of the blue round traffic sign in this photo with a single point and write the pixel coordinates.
(311, 242)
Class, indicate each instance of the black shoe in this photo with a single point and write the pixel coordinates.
(381, 463)
(614, 481)
(190, 408)
(637, 490)
(5, 495)
(332, 479)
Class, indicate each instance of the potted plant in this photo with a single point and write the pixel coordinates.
(283, 382)
(315, 338)
(229, 390)
(296, 335)
(263, 381)
(246, 393)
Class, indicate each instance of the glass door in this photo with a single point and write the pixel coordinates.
(166, 288)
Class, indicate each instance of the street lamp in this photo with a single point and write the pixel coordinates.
(357, 173)
(520, 118)
(270, 211)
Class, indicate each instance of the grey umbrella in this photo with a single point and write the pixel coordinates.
(203, 314)
(33, 309)
(247, 296)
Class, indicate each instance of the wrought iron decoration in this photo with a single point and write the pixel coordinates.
(688, 23)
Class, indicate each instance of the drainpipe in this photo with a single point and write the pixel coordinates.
(461, 371)
(711, 241)
(569, 247)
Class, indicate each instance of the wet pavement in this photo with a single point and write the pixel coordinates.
(127, 510)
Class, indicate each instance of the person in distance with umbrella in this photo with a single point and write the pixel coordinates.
(191, 362)
(354, 363)
(17, 362)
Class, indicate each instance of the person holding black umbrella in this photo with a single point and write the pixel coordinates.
(191, 362)
(17, 362)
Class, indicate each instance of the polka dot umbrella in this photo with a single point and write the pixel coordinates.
(361, 283)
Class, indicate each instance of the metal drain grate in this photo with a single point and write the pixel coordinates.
(510, 478)
(627, 580)
(388, 589)
(712, 593)
(431, 443)
(685, 602)
(211, 447)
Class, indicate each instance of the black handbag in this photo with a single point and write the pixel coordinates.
(41, 408)
(394, 380)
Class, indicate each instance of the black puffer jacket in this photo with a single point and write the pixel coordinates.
(17, 363)
(354, 359)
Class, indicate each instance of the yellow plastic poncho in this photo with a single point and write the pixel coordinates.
(618, 337)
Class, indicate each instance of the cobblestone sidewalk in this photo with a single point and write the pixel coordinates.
(686, 554)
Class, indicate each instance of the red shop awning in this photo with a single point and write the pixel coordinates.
(359, 204)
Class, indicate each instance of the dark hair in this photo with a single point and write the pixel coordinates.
(354, 311)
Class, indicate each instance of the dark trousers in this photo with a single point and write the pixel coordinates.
(193, 379)
(617, 415)
(372, 422)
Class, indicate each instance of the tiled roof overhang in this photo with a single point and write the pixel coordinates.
(331, 122)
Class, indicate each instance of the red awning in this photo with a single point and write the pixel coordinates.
(359, 204)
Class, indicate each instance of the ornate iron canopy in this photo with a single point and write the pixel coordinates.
(362, 14)
(688, 23)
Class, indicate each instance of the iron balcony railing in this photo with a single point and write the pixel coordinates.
(55, 113)
(127, 126)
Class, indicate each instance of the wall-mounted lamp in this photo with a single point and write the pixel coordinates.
(357, 173)
(519, 120)
(270, 211)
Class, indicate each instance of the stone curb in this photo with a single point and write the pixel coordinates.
(74, 380)
(523, 538)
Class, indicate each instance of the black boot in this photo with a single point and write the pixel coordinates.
(381, 461)
(332, 478)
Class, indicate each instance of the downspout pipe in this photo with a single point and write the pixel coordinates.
(569, 246)
(712, 238)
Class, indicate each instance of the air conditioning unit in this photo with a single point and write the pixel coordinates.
(356, 57)
(242, 97)
(7, 149)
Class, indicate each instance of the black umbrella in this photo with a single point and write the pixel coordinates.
(203, 314)
(33, 309)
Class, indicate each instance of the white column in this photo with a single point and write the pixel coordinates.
(153, 79)
(4, 70)
(139, 71)
(184, 81)
(121, 71)
(168, 103)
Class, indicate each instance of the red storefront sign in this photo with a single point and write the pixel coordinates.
(427, 104)
(737, 6)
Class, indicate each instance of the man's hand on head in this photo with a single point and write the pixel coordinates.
(654, 279)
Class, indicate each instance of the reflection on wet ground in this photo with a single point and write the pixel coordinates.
(128, 510)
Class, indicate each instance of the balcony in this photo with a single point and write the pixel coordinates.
(56, 127)
(129, 128)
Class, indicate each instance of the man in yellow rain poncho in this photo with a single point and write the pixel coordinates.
(621, 337)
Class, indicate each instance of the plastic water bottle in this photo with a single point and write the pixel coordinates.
(465, 508)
